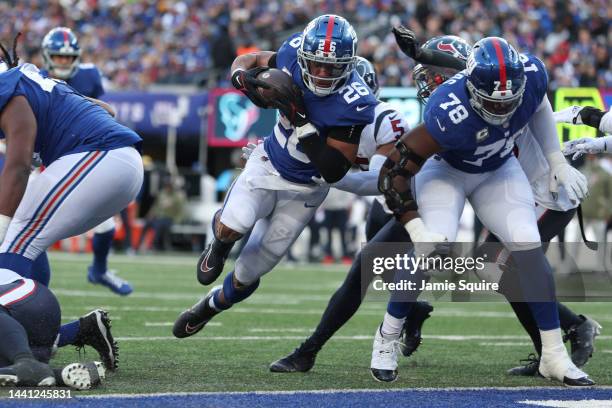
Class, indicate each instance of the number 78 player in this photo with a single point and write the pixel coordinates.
(470, 124)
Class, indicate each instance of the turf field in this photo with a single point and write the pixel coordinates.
(465, 345)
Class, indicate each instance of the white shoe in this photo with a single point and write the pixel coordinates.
(384, 358)
(558, 366)
(83, 376)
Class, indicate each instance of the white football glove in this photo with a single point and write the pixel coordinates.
(563, 174)
(569, 115)
(587, 145)
(426, 242)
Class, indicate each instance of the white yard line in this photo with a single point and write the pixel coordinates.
(329, 391)
(164, 324)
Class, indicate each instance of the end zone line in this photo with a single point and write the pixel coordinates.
(331, 391)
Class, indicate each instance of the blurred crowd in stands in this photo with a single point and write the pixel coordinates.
(137, 43)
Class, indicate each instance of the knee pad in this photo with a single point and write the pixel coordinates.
(234, 295)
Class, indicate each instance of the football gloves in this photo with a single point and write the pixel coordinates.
(247, 83)
(406, 40)
(563, 174)
(291, 105)
(587, 145)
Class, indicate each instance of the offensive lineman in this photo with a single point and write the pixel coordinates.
(471, 122)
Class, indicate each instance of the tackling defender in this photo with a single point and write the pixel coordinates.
(471, 122)
(317, 135)
(376, 142)
(29, 322)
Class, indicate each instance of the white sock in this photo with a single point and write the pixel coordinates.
(391, 327)
(552, 342)
(211, 303)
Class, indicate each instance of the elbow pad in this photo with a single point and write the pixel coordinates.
(330, 162)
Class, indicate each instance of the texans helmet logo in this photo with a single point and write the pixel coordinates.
(450, 48)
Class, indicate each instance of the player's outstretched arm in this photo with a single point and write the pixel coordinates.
(543, 128)
(406, 40)
(18, 123)
(585, 115)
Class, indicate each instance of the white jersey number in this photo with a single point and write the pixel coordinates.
(46, 84)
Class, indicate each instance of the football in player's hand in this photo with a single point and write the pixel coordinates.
(280, 85)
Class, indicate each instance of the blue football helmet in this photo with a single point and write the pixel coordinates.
(496, 80)
(428, 77)
(367, 72)
(327, 53)
(61, 41)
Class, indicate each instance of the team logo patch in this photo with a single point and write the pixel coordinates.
(482, 135)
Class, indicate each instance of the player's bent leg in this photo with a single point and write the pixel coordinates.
(511, 217)
(211, 261)
(243, 206)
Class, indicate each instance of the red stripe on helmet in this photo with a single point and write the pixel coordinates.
(66, 38)
(502, 64)
(328, 33)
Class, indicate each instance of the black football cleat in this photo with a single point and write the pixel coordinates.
(300, 361)
(581, 339)
(528, 368)
(410, 337)
(211, 262)
(27, 372)
(95, 331)
(195, 318)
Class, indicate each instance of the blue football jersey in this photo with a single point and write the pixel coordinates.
(352, 104)
(86, 81)
(66, 122)
(469, 143)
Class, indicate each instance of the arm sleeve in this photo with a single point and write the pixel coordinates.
(605, 125)
(363, 183)
(440, 59)
(544, 129)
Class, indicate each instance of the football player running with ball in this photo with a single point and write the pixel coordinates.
(317, 135)
(470, 124)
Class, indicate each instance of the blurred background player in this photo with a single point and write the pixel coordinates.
(376, 141)
(317, 135)
(62, 59)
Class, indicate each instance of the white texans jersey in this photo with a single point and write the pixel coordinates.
(388, 126)
(537, 170)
